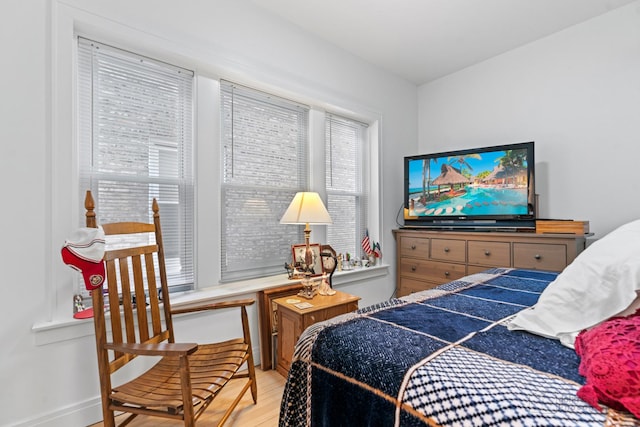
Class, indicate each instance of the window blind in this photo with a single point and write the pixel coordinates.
(345, 186)
(265, 146)
(136, 144)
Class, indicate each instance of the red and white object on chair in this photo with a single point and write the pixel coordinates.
(83, 251)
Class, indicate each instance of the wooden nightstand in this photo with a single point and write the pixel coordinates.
(292, 321)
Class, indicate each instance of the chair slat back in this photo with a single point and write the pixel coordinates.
(136, 278)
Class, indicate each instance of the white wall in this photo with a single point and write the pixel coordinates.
(55, 383)
(577, 94)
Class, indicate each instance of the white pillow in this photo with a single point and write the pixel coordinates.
(601, 282)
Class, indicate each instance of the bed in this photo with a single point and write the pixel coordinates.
(455, 356)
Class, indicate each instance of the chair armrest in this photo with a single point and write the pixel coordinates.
(214, 306)
(155, 349)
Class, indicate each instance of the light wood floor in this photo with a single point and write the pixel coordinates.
(263, 414)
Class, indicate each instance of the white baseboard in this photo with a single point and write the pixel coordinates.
(78, 415)
(83, 413)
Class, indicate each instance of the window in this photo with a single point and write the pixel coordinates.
(265, 146)
(135, 144)
(345, 186)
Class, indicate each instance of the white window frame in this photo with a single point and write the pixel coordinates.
(315, 175)
(359, 188)
(135, 120)
(64, 204)
(269, 134)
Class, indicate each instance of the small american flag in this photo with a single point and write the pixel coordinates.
(366, 243)
(377, 251)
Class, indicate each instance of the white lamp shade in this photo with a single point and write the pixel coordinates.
(306, 208)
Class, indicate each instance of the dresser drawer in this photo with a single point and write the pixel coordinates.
(473, 269)
(438, 272)
(448, 250)
(409, 286)
(414, 247)
(490, 254)
(309, 319)
(539, 256)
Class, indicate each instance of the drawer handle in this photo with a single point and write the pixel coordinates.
(414, 268)
(313, 318)
(413, 247)
(487, 252)
(446, 250)
(446, 273)
(537, 256)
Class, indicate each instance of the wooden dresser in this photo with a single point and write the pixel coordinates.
(426, 259)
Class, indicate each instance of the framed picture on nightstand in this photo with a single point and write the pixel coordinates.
(298, 252)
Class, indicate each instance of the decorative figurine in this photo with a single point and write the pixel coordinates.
(292, 271)
(325, 289)
(78, 305)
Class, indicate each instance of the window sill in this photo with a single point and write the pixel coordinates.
(69, 328)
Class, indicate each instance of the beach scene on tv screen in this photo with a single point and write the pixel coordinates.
(484, 183)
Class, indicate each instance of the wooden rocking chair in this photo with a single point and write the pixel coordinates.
(188, 377)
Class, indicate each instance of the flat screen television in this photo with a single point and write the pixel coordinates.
(487, 188)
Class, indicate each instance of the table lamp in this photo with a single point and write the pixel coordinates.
(306, 208)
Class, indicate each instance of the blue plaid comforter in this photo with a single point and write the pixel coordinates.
(441, 357)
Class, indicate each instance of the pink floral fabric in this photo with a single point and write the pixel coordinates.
(610, 362)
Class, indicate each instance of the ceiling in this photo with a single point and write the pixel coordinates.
(422, 40)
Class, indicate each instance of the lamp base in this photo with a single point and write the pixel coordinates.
(309, 289)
